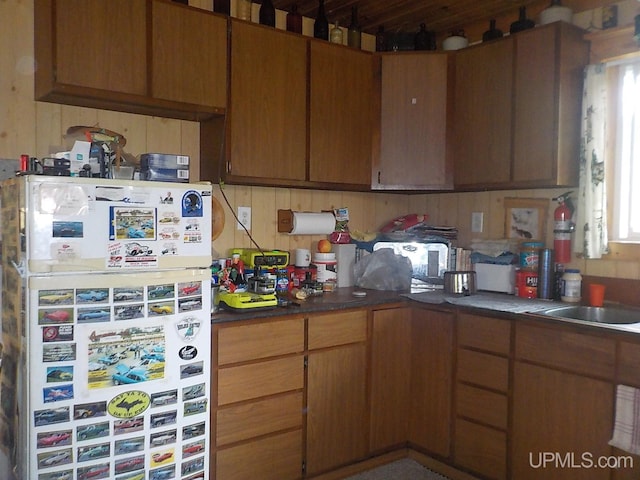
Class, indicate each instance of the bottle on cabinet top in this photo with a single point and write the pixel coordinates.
(243, 9)
(294, 20)
(354, 34)
(267, 13)
(381, 41)
(423, 39)
(336, 35)
(321, 25)
(222, 6)
(493, 32)
(523, 23)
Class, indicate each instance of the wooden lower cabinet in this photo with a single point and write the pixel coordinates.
(390, 378)
(277, 457)
(336, 390)
(481, 449)
(432, 335)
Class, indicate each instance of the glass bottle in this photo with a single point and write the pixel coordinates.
(381, 43)
(422, 40)
(321, 25)
(294, 20)
(244, 9)
(354, 34)
(493, 32)
(222, 6)
(523, 23)
(267, 13)
(336, 35)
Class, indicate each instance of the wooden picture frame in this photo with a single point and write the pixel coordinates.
(526, 218)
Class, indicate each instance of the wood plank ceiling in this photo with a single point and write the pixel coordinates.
(440, 16)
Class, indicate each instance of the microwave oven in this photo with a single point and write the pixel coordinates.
(429, 261)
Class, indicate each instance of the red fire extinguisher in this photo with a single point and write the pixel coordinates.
(562, 228)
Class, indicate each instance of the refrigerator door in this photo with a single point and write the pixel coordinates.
(85, 224)
(119, 369)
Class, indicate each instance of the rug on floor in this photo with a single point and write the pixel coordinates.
(405, 469)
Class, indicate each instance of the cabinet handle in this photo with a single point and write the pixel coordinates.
(378, 177)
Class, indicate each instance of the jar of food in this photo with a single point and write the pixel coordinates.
(571, 286)
(530, 254)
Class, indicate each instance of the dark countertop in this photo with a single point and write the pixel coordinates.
(339, 299)
(497, 304)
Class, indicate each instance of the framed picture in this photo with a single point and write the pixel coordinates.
(526, 218)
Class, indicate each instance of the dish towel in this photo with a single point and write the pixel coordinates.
(626, 430)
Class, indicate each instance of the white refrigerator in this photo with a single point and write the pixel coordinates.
(105, 328)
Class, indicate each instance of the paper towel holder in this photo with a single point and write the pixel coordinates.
(285, 221)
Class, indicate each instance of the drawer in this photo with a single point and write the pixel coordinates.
(483, 369)
(481, 449)
(240, 343)
(484, 333)
(245, 382)
(261, 417)
(277, 457)
(482, 405)
(556, 347)
(337, 328)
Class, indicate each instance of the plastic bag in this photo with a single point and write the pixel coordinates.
(383, 270)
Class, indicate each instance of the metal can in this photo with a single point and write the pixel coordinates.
(526, 283)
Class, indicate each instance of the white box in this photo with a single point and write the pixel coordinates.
(346, 259)
(496, 278)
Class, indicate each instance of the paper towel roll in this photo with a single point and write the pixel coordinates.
(313, 223)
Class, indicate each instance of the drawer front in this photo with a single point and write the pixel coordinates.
(482, 405)
(270, 377)
(484, 333)
(337, 328)
(628, 362)
(481, 449)
(277, 457)
(248, 420)
(555, 347)
(240, 343)
(483, 369)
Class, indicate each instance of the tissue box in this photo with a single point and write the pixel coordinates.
(496, 278)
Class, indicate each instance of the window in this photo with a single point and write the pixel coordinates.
(626, 165)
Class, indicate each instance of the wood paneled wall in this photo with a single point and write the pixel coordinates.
(38, 128)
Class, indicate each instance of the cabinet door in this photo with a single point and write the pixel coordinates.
(267, 118)
(336, 407)
(414, 123)
(97, 45)
(567, 417)
(188, 55)
(483, 101)
(390, 367)
(431, 381)
(548, 94)
(341, 114)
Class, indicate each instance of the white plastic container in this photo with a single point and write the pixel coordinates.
(571, 286)
(327, 266)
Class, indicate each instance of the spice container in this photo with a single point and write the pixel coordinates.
(571, 286)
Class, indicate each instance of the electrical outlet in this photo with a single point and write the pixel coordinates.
(476, 222)
(244, 218)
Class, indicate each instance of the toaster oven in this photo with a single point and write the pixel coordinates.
(429, 261)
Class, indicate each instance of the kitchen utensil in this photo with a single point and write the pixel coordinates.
(460, 282)
(218, 218)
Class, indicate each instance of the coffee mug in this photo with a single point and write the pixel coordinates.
(302, 257)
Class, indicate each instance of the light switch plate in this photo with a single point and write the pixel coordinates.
(477, 219)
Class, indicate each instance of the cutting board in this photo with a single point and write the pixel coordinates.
(218, 218)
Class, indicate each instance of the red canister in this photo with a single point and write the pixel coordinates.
(526, 284)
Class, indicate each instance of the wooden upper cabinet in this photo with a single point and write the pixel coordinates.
(548, 101)
(97, 54)
(517, 113)
(341, 115)
(482, 139)
(188, 55)
(91, 45)
(416, 110)
(267, 121)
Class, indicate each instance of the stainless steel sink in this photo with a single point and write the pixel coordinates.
(610, 315)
